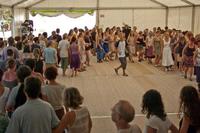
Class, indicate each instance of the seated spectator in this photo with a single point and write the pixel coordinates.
(122, 114)
(4, 93)
(157, 121)
(190, 107)
(10, 78)
(80, 120)
(38, 61)
(17, 96)
(52, 92)
(31, 64)
(35, 116)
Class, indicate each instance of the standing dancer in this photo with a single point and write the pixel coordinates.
(121, 54)
(167, 60)
(188, 53)
(74, 55)
(157, 46)
(131, 46)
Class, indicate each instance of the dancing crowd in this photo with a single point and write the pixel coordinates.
(31, 97)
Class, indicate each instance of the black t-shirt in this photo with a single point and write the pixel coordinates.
(34, 46)
(88, 41)
(39, 66)
(27, 49)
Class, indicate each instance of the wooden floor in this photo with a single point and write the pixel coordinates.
(102, 88)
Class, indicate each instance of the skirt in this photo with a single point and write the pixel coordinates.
(149, 52)
(75, 61)
(188, 61)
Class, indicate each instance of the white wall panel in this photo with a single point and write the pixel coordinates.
(115, 18)
(149, 18)
(173, 2)
(180, 18)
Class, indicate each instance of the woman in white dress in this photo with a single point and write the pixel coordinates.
(167, 60)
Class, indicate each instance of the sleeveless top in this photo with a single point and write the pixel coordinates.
(74, 49)
(189, 51)
(81, 121)
(141, 41)
(167, 44)
(157, 43)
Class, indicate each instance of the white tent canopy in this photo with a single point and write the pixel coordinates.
(95, 3)
(179, 14)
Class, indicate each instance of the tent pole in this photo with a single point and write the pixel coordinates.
(97, 14)
(27, 14)
(167, 16)
(18, 3)
(133, 19)
(193, 18)
(36, 3)
(13, 23)
(159, 3)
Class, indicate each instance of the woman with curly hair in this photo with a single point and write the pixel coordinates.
(190, 107)
(78, 116)
(157, 121)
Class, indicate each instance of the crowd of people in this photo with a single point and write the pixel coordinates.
(169, 48)
(32, 98)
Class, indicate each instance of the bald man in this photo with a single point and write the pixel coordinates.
(122, 114)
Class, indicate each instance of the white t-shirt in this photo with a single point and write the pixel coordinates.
(158, 124)
(132, 129)
(121, 48)
(3, 99)
(63, 46)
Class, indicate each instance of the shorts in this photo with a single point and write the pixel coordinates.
(123, 62)
(64, 62)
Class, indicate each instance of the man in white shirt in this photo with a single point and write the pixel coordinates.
(63, 47)
(121, 48)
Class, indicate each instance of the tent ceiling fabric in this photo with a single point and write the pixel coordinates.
(93, 3)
